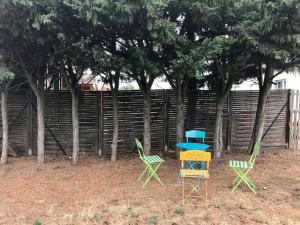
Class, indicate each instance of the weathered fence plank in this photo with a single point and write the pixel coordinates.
(243, 112)
(17, 120)
(294, 123)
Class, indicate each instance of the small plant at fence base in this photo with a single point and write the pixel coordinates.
(179, 210)
(37, 222)
(153, 220)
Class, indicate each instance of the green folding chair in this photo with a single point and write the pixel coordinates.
(151, 163)
(242, 168)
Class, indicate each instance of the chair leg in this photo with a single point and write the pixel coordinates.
(142, 174)
(236, 179)
(242, 175)
(148, 177)
(194, 193)
(155, 174)
(152, 173)
(205, 181)
(178, 177)
(249, 184)
(239, 180)
(183, 191)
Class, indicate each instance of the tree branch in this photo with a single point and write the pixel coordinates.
(65, 77)
(29, 75)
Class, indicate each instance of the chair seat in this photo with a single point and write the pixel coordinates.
(153, 159)
(239, 164)
(194, 173)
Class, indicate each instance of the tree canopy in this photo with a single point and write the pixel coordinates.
(218, 43)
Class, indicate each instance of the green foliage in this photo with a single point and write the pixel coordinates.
(27, 39)
(216, 205)
(144, 39)
(37, 222)
(106, 61)
(5, 74)
(153, 220)
(179, 210)
(127, 87)
(272, 28)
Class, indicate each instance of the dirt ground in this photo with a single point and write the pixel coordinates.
(100, 192)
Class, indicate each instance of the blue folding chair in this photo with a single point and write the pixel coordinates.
(195, 134)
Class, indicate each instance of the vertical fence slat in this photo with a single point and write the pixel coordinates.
(294, 119)
(289, 116)
(297, 124)
(294, 123)
(29, 123)
(229, 126)
(100, 124)
(166, 120)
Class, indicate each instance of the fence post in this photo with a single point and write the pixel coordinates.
(229, 126)
(100, 123)
(297, 120)
(288, 119)
(29, 123)
(166, 120)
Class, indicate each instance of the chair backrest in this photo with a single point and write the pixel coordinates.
(195, 155)
(139, 147)
(195, 134)
(254, 153)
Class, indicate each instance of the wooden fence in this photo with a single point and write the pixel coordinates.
(294, 123)
(96, 120)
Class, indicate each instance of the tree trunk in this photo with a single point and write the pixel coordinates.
(114, 144)
(75, 123)
(264, 93)
(192, 98)
(4, 126)
(146, 120)
(218, 133)
(41, 127)
(179, 116)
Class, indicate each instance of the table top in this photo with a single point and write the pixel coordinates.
(192, 146)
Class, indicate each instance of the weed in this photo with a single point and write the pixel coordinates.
(68, 218)
(50, 211)
(135, 214)
(179, 210)
(152, 220)
(206, 217)
(257, 209)
(105, 210)
(37, 222)
(87, 215)
(242, 206)
(216, 205)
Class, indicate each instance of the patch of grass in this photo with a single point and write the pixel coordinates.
(88, 215)
(68, 218)
(135, 214)
(216, 205)
(178, 210)
(205, 217)
(114, 202)
(37, 222)
(242, 206)
(257, 209)
(105, 210)
(153, 219)
(50, 211)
